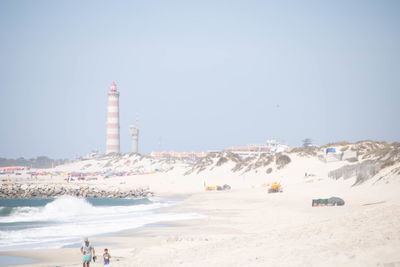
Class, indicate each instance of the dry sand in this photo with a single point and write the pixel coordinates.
(249, 227)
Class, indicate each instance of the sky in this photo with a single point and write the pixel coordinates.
(202, 75)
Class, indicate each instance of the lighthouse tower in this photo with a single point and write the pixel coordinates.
(134, 130)
(112, 143)
(135, 138)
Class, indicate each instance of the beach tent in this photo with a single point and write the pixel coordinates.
(320, 202)
(336, 201)
(227, 187)
(333, 201)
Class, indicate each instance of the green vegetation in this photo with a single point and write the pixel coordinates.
(306, 151)
(352, 160)
(39, 162)
(387, 164)
(341, 143)
(282, 161)
(221, 161)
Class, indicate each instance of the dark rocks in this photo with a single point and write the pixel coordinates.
(31, 190)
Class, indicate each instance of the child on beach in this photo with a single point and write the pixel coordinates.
(106, 257)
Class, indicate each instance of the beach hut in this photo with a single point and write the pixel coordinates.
(330, 150)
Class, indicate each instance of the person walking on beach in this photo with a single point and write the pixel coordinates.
(87, 251)
(106, 257)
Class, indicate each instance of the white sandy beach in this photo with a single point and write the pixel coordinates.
(246, 226)
(252, 228)
(200, 133)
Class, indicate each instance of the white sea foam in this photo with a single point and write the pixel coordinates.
(68, 208)
(67, 219)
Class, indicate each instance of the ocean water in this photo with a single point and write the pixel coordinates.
(63, 221)
(6, 260)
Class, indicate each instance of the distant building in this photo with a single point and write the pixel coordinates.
(277, 147)
(173, 154)
(92, 155)
(270, 147)
(12, 169)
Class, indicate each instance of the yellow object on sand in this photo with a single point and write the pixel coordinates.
(275, 186)
(210, 187)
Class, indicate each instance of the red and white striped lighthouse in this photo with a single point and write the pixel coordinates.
(112, 143)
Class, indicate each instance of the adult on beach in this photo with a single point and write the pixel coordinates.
(87, 251)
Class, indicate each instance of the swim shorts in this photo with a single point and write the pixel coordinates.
(87, 258)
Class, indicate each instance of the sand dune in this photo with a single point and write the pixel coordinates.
(246, 226)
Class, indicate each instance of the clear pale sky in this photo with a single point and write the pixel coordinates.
(203, 75)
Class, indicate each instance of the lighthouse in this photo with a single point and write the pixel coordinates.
(134, 130)
(112, 142)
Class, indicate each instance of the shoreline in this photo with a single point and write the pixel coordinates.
(246, 226)
(119, 240)
(15, 260)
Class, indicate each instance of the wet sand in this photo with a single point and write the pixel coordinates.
(249, 227)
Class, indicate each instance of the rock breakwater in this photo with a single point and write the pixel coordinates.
(35, 190)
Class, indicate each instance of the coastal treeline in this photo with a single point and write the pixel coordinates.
(38, 162)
